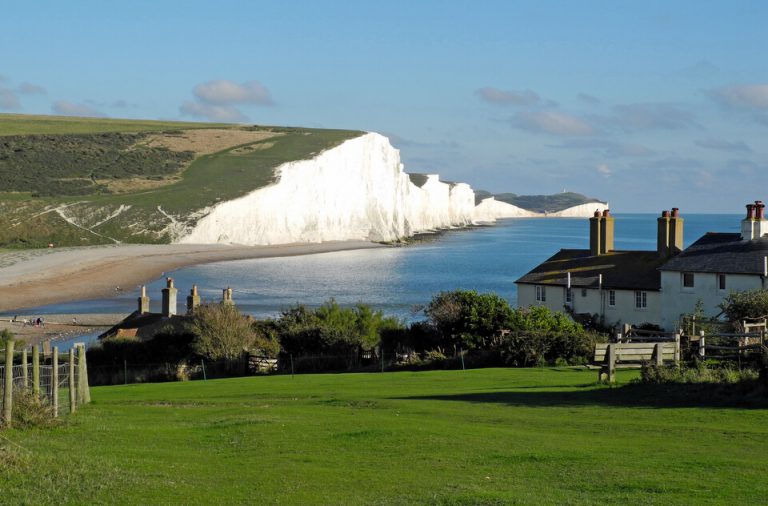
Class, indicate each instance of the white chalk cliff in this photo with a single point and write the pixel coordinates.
(355, 191)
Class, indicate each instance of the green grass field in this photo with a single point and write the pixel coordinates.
(493, 436)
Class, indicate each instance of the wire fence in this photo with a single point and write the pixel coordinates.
(58, 382)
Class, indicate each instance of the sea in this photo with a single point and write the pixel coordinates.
(399, 281)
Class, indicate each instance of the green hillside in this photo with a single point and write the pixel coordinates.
(77, 181)
(489, 436)
(539, 203)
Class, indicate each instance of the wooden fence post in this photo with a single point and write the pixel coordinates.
(657, 350)
(610, 356)
(24, 368)
(83, 390)
(677, 347)
(702, 347)
(8, 383)
(72, 398)
(36, 370)
(55, 381)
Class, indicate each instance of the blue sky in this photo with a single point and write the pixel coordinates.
(647, 104)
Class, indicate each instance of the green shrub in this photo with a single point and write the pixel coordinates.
(747, 304)
(698, 374)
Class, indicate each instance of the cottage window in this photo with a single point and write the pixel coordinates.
(687, 280)
(541, 293)
(568, 295)
(612, 298)
(641, 299)
(721, 282)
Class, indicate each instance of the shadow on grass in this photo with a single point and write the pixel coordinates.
(744, 395)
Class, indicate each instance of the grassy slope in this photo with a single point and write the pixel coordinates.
(21, 124)
(494, 436)
(211, 178)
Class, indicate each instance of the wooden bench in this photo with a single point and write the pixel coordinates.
(610, 356)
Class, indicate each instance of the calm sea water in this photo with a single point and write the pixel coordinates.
(400, 280)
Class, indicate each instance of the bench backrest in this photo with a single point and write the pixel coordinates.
(635, 352)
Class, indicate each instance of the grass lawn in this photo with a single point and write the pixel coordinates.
(493, 436)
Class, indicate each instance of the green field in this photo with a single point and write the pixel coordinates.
(58, 176)
(493, 436)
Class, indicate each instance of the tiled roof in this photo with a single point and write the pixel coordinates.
(723, 253)
(629, 270)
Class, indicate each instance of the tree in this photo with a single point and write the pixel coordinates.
(464, 318)
(221, 332)
(747, 304)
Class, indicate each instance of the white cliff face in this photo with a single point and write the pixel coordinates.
(356, 191)
(581, 211)
(490, 209)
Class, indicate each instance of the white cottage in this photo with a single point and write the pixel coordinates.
(611, 285)
(713, 266)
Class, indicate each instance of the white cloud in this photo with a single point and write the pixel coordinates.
(223, 92)
(31, 89)
(497, 96)
(604, 170)
(749, 96)
(220, 113)
(66, 108)
(552, 122)
(8, 99)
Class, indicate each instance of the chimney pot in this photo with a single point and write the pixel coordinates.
(750, 211)
(675, 211)
(169, 282)
(607, 212)
(597, 213)
(665, 214)
(759, 210)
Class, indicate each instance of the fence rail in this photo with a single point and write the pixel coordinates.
(59, 382)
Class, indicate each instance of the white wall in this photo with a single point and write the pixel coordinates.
(596, 302)
(677, 300)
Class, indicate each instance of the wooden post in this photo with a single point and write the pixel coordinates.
(702, 347)
(83, 391)
(55, 381)
(657, 350)
(36, 371)
(8, 383)
(611, 358)
(24, 368)
(677, 348)
(72, 398)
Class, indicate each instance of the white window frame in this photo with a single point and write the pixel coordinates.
(641, 299)
(541, 293)
(611, 298)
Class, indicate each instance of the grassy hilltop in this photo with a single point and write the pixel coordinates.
(86, 181)
(487, 436)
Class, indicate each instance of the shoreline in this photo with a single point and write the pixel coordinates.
(31, 278)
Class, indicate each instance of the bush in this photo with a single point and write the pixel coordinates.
(699, 374)
(30, 410)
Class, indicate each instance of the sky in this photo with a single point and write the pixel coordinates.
(646, 104)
